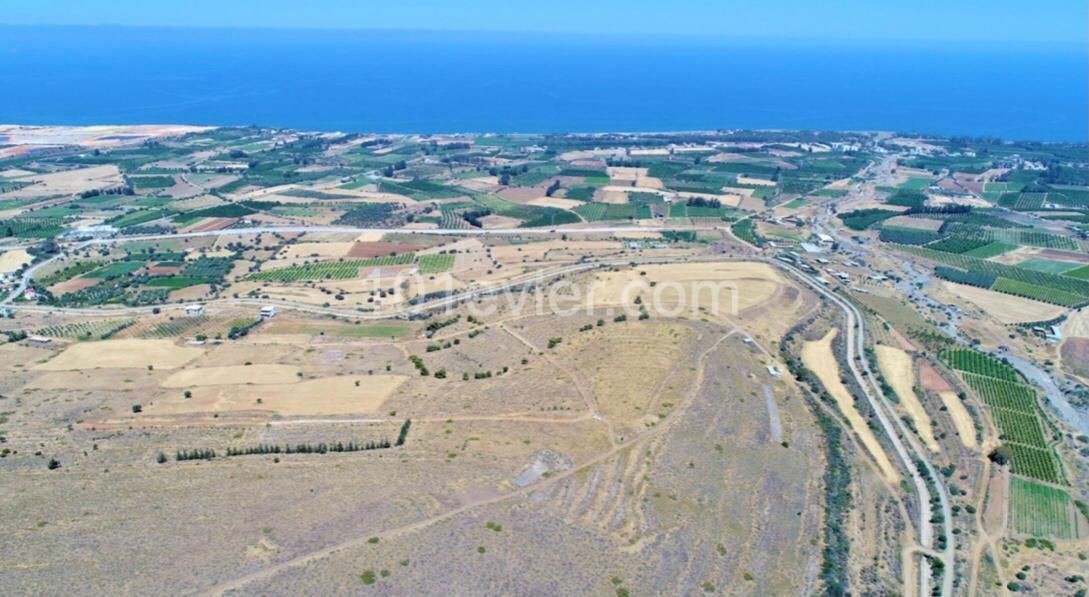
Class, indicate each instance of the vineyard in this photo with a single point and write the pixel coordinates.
(85, 330)
(31, 227)
(963, 359)
(436, 264)
(1041, 286)
(1014, 411)
(1042, 511)
(1034, 238)
(340, 270)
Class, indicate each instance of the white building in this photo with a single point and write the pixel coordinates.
(268, 312)
(194, 310)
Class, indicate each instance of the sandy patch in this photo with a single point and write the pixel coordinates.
(759, 182)
(556, 202)
(614, 195)
(915, 223)
(493, 222)
(368, 250)
(897, 368)
(696, 289)
(90, 380)
(343, 395)
(819, 358)
(323, 250)
(122, 354)
(70, 182)
(369, 237)
(962, 421)
(225, 376)
(957, 200)
(1005, 308)
(12, 260)
(1077, 324)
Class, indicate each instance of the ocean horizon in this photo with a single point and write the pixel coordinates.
(430, 82)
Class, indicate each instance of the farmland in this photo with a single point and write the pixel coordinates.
(85, 330)
(1041, 511)
(340, 270)
(1013, 410)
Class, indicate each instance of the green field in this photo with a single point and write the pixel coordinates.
(85, 330)
(112, 270)
(914, 183)
(1082, 273)
(340, 270)
(436, 264)
(992, 249)
(1042, 511)
(1050, 266)
(795, 204)
(964, 359)
(176, 282)
(1013, 410)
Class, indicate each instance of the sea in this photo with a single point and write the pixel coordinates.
(432, 82)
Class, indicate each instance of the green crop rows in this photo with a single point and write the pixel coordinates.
(1041, 286)
(1042, 511)
(436, 264)
(85, 330)
(1002, 394)
(963, 359)
(1019, 427)
(1013, 409)
(340, 270)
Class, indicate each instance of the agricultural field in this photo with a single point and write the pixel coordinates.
(1039, 510)
(340, 270)
(232, 340)
(85, 330)
(1014, 411)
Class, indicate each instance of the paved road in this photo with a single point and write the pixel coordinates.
(907, 449)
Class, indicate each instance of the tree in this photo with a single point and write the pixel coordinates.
(54, 464)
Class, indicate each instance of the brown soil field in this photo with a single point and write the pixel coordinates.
(366, 250)
(962, 421)
(917, 223)
(240, 375)
(209, 224)
(896, 367)
(1075, 356)
(72, 285)
(819, 358)
(122, 354)
(930, 379)
(314, 397)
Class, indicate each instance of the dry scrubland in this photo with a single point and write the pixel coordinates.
(660, 453)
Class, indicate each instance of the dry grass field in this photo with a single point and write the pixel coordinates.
(898, 369)
(661, 450)
(819, 357)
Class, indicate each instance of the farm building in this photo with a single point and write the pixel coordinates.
(39, 340)
(194, 310)
(268, 312)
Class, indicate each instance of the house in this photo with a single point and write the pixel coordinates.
(194, 310)
(268, 312)
(39, 340)
(822, 239)
(774, 371)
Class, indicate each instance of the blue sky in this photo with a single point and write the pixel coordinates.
(1010, 21)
